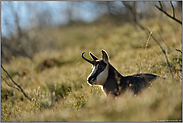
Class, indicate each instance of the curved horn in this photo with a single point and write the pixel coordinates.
(92, 62)
(93, 57)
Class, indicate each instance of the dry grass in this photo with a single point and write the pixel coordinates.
(60, 93)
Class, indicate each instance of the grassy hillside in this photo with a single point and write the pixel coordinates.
(55, 78)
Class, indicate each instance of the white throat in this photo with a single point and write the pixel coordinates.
(102, 77)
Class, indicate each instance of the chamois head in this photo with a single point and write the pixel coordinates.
(99, 73)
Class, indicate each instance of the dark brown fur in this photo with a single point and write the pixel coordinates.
(117, 84)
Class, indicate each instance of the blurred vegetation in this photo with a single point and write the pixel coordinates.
(46, 62)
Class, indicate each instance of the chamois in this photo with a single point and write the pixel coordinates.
(112, 82)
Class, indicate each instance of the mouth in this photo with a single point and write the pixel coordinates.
(91, 82)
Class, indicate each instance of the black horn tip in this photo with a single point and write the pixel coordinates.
(86, 59)
(82, 53)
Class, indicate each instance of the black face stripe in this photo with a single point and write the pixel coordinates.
(99, 66)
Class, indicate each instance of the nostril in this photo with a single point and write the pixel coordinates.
(90, 80)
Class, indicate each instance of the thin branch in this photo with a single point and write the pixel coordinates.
(165, 43)
(132, 9)
(147, 41)
(160, 5)
(149, 70)
(171, 51)
(9, 84)
(168, 64)
(178, 50)
(160, 8)
(172, 9)
(15, 83)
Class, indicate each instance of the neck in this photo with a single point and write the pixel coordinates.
(113, 82)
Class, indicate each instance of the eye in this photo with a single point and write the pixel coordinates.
(99, 67)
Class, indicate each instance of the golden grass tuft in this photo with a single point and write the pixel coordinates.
(61, 93)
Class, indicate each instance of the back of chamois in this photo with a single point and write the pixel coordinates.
(112, 82)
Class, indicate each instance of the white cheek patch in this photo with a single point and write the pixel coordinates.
(93, 70)
(102, 77)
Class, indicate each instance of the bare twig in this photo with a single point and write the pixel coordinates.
(15, 83)
(171, 51)
(147, 41)
(172, 17)
(132, 9)
(165, 43)
(160, 5)
(149, 70)
(172, 9)
(178, 50)
(9, 84)
(168, 64)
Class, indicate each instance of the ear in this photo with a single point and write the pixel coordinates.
(105, 56)
(93, 57)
